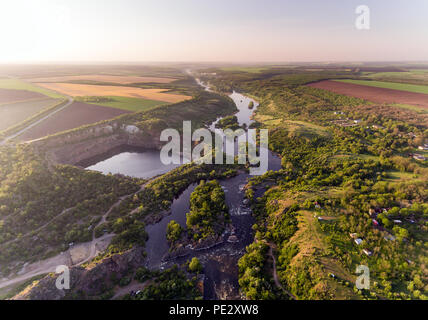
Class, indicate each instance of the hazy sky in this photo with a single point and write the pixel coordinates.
(215, 30)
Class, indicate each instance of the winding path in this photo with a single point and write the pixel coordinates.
(64, 258)
(275, 276)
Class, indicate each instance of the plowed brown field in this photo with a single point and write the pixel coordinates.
(76, 115)
(378, 95)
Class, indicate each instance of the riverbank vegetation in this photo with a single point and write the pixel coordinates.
(208, 212)
(52, 198)
(206, 221)
(347, 173)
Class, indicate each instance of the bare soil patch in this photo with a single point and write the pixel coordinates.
(378, 95)
(76, 115)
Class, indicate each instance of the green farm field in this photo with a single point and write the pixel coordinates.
(17, 84)
(123, 103)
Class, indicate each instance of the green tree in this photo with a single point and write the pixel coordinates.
(173, 231)
(195, 265)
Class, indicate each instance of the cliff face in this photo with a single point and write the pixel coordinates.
(74, 147)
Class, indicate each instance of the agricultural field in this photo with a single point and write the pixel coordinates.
(12, 96)
(123, 103)
(99, 93)
(105, 79)
(20, 85)
(76, 115)
(390, 85)
(414, 76)
(81, 90)
(14, 113)
(374, 94)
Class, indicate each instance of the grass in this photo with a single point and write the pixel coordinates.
(312, 243)
(389, 85)
(16, 84)
(123, 103)
(395, 176)
(296, 128)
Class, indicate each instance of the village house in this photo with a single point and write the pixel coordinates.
(358, 241)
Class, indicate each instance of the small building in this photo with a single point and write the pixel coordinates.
(423, 147)
(398, 221)
(375, 223)
(353, 235)
(358, 241)
(367, 252)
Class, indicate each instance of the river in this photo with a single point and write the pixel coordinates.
(220, 262)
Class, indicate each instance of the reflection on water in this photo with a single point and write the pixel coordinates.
(220, 263)
(244, 114)
(143, 165)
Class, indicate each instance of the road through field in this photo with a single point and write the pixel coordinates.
(20, 132)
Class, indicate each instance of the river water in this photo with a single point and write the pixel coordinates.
(220, 262)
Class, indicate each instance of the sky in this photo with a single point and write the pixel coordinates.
(211, 31)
